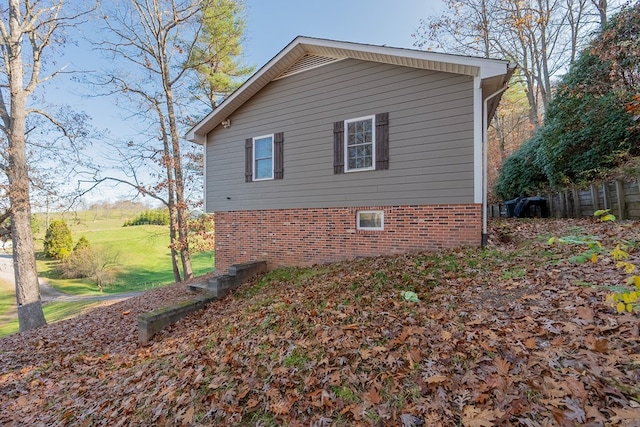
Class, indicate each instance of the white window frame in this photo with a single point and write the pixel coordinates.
(255, 159)
(372, 118)
(359, 227)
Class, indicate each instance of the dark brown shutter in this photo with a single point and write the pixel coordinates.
(248, 160)
(278, 155)
(338, 147)
(382, 141)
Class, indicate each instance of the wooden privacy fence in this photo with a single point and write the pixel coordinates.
(622, 197)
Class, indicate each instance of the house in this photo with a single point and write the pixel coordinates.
(335, 150)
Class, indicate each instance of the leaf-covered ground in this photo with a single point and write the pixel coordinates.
(508, 335)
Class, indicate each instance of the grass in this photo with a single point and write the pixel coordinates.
(53, 312)
(141, 254)
(142, 262)
(6, 303)
(8, 320)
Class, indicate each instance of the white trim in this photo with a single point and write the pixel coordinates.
(204, 173)
(253, 157)
(373, 144)
(485, 166)
(478, 120)
(381, 228)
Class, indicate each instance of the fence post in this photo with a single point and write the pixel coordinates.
(550, 204)
(568, 204)
(594, 198)
(605, 195)
(621, 200)
(576, 202)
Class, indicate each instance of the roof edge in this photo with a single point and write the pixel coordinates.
(301, 45)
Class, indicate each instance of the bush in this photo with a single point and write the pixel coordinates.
(152, 217)
(592, 125)
(85, 262)
(58, 242)
(82, 243)
(520, 174)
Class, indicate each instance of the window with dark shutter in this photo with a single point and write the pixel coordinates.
(382, 141)
(338, 147)
(278, 155)
(248, 160)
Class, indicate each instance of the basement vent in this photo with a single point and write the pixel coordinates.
(305, 63)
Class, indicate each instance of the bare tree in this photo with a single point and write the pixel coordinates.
(166, 45)
(541, 36)
(152, 36)
(601, 6)
(29, 29)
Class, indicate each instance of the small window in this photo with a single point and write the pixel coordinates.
(263, 157)
(370, 220)
(360, 144)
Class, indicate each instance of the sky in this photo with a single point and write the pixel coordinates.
(270, 26)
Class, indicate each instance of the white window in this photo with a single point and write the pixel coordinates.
(263, 157)
(359, 144)
(370, 220)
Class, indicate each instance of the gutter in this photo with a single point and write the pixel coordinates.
(485, 137)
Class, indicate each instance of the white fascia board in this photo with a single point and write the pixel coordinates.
(487, 67)
(477, 139)
(204, 173)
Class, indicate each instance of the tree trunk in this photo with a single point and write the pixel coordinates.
(181, 204)
(167, 162)
(601, 5)
(30, 314)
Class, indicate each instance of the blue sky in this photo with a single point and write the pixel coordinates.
(272, 24)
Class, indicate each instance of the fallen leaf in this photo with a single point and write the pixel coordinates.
(474, 417)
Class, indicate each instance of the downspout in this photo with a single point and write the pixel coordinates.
(485, 156)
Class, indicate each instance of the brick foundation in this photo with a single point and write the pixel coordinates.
(302, 237)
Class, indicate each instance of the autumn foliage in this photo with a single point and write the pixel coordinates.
(591, 125)
(512, 334)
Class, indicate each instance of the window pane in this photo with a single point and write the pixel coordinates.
(359, 141)
(370, 219)
(263, 148)
(263, 169)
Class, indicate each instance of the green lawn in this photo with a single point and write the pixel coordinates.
(7, 300)
(143, 261)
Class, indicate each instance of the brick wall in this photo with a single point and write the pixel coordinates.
(309, 236)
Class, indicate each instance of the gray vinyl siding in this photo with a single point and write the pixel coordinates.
(430, 140)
